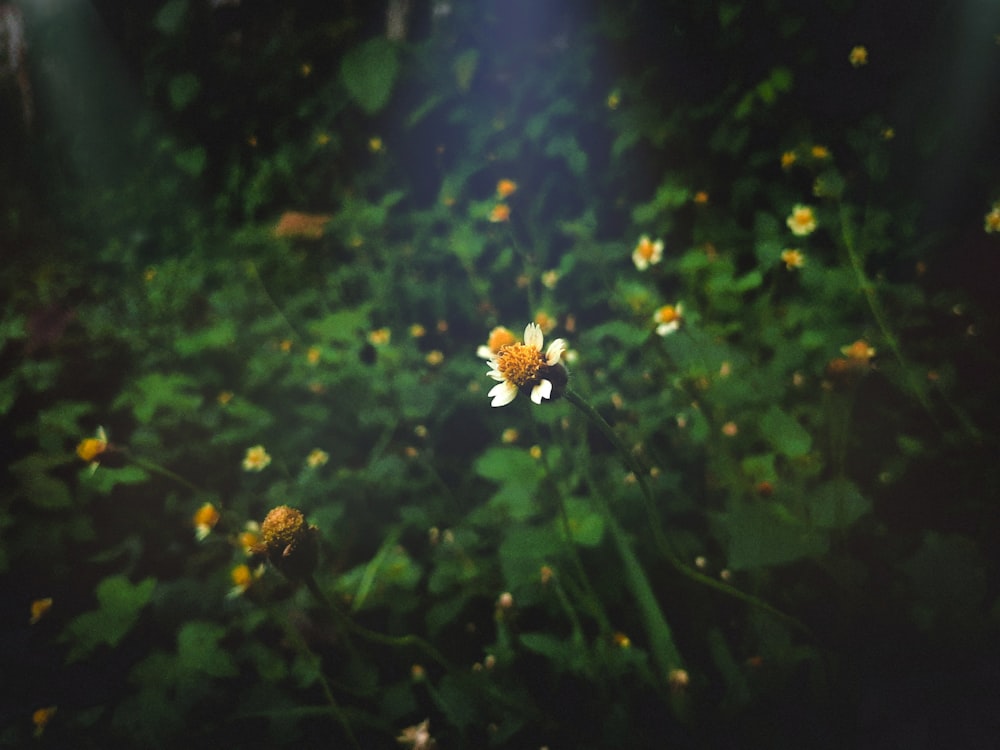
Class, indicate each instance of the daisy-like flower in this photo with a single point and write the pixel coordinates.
(991, 222)
(793, 259)
(499, 338)
(243, 577)
(418, 737)
(90, 449)
(506, 188)
(520, 367)
(647, 253)
(249, 538)
(204, 520)
(859, 350)
(788, 159)
(500, 213)
(820, 152)
(256, 459)
(313, 355)
(858, 56)
(317, 458)
(668, 319)
(802, 220)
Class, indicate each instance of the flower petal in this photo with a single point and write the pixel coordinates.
(502, 393)
(555, 351)
(542, 390)
(533, 336)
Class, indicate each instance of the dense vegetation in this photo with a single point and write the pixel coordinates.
(253, 253)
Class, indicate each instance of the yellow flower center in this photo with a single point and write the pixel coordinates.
(520, 363)
(666, 314)
(645, 249)
(90, 448)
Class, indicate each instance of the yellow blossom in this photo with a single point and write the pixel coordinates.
(668, 319)
(500, 213)
(256, 459)
(89, 449)
(510, 435)
(434, 358)
(224, 397)
(802, 220)
(647, 253)
(788, 159)
(41, 717)
(506, 188)
(379, 337)
(701, 197)
(243, 577)
(322, 139)
(621, 640)
(418, 736)
(285, 345)
(614, 99)
(858, 56)
(545, 321)
(313, 355)
(375, 144)
(793, 259)
(730, 429)
(991, 222)
(39, 608)
(204, 520)
(888, 134)
(820, 152)
(417, 331)
(149, 274)
(317, 458)
(859, 351)
(249, 538)
(305, 69)
(535, 452)
(298, 224)
(550, 278)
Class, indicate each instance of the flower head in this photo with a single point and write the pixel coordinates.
(802, 220)
(39, 608)
(506, 188)
(793, 259)
(243, 577)
(859, 350)
(788, 158)
(858, 56)
(41, 717)
(256, 459)
(668, 319)
(523, 367)
(500, 213)
(647, 253)
(499, 338)
(289, 543)
(418, 737)
(317, 458)
(819, 152)
(991, 222)
(204, 520)
(97, 451)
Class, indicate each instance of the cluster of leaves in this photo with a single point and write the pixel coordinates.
(306, 259)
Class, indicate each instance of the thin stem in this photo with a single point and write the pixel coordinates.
(155, 468)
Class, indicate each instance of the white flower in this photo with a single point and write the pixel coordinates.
(518, 366)
(647, 253)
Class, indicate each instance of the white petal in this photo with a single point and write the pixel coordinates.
(533, 336)
(502, 393)
(496, 374)
(555, 352)
(540, 391)
(484, 352)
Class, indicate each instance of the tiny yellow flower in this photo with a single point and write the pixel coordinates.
(41, 717)
(317, 458)
(858, 56)
(243, 577)
(322, 139)
(820, 152)
(500, 213)
(285, 345)
(621, 640)
(701, 197)
(730, 429)
(668, 319)
(224, 397)
(296, 224)
(417, 331)
(859, 351)
(434, 358)
(647, 253)
(888, 134)
(249, 538)
(535, 452)
(506, 188)
(614, 100)
(313, 355)
(149, 274)
(793, 259)
(90, 449)
(204, 520)
(379, 337)
(788, 159)
(375, 144)
(256, 459)
(305, 70)
(991, 222)
(802, 220)
(39, 608)
(510, 435)
(550, 279)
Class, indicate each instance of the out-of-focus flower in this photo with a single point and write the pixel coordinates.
(285, 345)
(417, 331)
(793, 259)
(668, 319)
(499, 337)
(788, 158)
(647, 253)
(820, 152)
(322, 139)
(313, 355)
(306, 69)
(506, 188)
(991, 222)
(249, 538)
(545, 321)
(678, 679)
(256, 459)
(317, 458)
(243, 577)
(204, 520)
(550, 278)
(224, 397)
(730, 429)
(621, 640)
(296, 224)
(545, 574)
(856, 362)
(379, 337)
(509, 436)
(859, 350)
(802, 220)
(91, 449)
(888, 134)
(701, 197)
(149, 274)
(289, 543)
(858, 56)
(41, 717)
(614, 100)
(39, 608)
(535, 452)
(434, 357)
(520, 367)
(375, 144)
(500, 213)
(418, 737)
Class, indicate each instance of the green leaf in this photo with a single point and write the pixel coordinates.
(465, 68)
(120, 603)
(786, 435)
(183, 89)
(160, 392)
(199, 651)
(369, 72)
(837, 504)
(218, 336)
(37, 486)
(519, 475)
(760, 536)
(191, 161)
(586, 527)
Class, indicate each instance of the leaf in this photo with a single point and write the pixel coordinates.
(120, 603)
(519, 475)
(760, 537)
(191, 161)
(218, 336)
(183, 89)
(369, 72)
(837, 504)
(160, 392)
(586, 527)
(465, 68)
(199, 651)
(37, 486)
(786, 435)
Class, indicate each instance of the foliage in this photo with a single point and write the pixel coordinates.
(755, 518)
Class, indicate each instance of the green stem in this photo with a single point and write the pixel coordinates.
(653, 518)
(155, 468)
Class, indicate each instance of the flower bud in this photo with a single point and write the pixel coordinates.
(289, 543)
